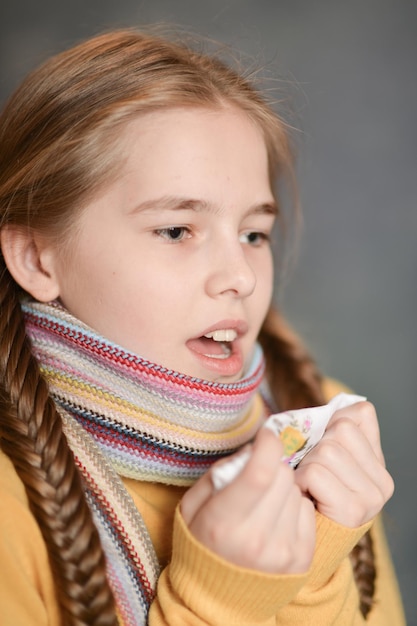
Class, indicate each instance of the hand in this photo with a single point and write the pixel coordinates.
(345, 473)
(260, 520)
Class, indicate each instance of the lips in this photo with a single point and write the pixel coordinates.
(218, 347)
(238, 326)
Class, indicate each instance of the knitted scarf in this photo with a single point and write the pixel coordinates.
(125, 416)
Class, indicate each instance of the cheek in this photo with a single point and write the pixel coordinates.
(90, 286)
(160, 299)
(265, 281)
(262, 296)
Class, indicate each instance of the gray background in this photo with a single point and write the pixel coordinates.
(351, 71)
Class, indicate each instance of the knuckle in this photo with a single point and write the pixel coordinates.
(252, 550)
(218, 533)
(356, 512)
(390, 486)
(344, 427)
(367, 409)
(312, 473)
(384, 485)
(294, 557)
(387, 486)
(286, 555)
(374, 505)
(329, 452)
(361, 510)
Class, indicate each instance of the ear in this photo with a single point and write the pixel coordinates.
(30, 260)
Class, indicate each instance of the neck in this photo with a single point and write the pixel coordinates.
(152, 423)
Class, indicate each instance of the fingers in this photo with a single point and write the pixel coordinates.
(257, 476)
(195, 498)
(363, 414)
(245, 492)
(347, 436)
(286, 537)
(344, 475)
(260, 520)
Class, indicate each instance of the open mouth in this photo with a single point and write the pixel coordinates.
(215, 345)
(221, 343)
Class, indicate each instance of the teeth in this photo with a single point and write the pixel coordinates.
(228, 334)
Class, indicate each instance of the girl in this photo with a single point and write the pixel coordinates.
(137, 195)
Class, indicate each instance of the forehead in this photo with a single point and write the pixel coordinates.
(217, 157)
(172, 142)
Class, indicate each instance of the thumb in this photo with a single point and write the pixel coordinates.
(195, 498)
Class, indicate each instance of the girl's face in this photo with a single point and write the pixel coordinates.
(173, 261)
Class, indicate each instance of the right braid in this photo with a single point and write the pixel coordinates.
(363, 564)
(293, 375)
(295, 382)
(31, 436)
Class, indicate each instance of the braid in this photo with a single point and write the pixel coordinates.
(363, 563)
(31, 435)
(293, 376)
(295, 383)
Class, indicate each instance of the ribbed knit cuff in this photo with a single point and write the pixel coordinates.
(334, 543)
(222, 593)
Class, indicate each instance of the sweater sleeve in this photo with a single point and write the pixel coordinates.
(198, 587)
(330, 595)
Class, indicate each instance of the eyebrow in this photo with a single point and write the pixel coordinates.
(175, 203)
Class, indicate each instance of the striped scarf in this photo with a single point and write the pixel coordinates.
(125, 416)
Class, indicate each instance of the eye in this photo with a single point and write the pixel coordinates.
(254, 238)
(173, 233)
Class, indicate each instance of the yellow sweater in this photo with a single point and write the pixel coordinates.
(197, 587)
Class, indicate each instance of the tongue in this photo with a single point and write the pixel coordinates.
(206, 346)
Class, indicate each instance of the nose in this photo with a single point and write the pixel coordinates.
(230, 272)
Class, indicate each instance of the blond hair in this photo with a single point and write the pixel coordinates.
(58, 138)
